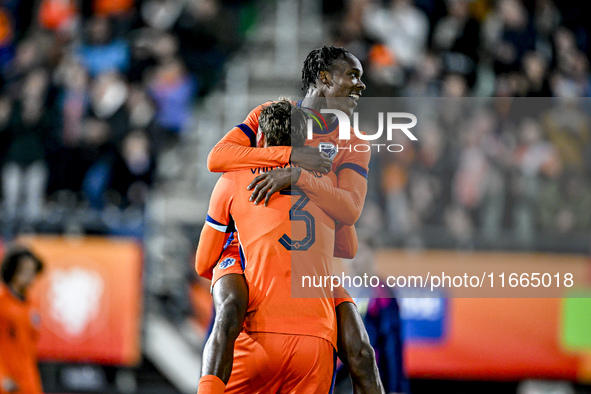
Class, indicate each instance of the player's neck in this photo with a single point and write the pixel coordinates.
(316, 100)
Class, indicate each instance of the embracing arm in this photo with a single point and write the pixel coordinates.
(211, 246)
(234, 152)
(217, 228)
(238, 150)
(345, 243)
(343, 203)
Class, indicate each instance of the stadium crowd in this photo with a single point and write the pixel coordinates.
(91, 92)
(502, 173)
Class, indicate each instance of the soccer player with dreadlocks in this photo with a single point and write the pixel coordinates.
(331, 76)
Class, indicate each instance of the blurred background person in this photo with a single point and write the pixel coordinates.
(19, 324)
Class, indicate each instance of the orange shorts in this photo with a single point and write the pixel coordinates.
(272, 363)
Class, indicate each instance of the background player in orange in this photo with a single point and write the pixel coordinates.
(288, 343)
(18, 323)
(328, 72)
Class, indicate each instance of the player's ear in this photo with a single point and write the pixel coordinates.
(324, 77)
(260, 138)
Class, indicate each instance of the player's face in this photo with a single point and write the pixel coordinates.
(25, 273)
(345, 84)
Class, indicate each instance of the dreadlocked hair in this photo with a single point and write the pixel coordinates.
(319, 60)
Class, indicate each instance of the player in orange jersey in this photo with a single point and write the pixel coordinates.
(286, 343)
(328, 72)
(18, 324)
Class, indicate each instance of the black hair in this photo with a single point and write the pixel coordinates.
(12, 259)
(283, 124)
(320, 59)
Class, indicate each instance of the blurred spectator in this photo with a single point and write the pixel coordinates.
(5, 112)
(100, 53)
(535, 69)
(15, 19)
(402, 27)
(142, 54)
(19, 324)
(24, 170)
(58, 14)
(172, 89)
(66, 167)
(108, 95)
(430, 190)
(532, 157)
(133, 170)
(100, 154)
(510, 34)
(394, 182)
(140, 108)
(565, 205)
(479, 182)
(161, 14)
(207, 33)
(425, 79)
(29, 55)
(456, 36)
(567, 126)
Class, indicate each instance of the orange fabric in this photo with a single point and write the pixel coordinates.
(344, 203)
(112, 7)
(236, 151)
(18, 339)
(211, 384)
(211, 245)
(345, 242)
(232, 267)
(380, 55)
(340, 294)
(268, 263)
(6, 27)
(272, 363)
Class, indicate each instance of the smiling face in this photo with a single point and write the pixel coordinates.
(342, 81)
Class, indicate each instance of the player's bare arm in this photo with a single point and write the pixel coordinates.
(356, 352)
(230, 299)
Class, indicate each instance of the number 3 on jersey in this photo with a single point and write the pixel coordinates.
(296, 214)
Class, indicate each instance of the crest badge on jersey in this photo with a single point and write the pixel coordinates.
(227, 262)
(328, 148)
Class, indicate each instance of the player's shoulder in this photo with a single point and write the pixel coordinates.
(260, 107)
(355, 137)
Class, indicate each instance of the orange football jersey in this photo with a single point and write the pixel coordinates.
(289, 238)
